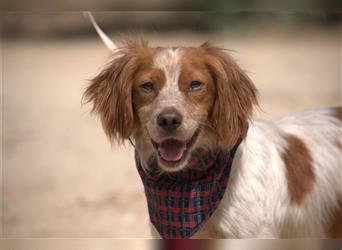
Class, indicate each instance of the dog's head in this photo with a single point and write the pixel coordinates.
(172, 100)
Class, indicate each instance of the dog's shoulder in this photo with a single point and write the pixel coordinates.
(290, 170)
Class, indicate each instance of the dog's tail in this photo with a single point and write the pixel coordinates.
(106, 40)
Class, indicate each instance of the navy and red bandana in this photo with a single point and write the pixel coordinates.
(179, 203)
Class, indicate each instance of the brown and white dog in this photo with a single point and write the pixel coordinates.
(172, 100)
(286, 175)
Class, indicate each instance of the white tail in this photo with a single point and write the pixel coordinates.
(106, 40)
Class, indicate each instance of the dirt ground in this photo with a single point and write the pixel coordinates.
(61, 178)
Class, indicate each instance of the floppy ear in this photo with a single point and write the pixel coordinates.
(235, 97)
(110, 92)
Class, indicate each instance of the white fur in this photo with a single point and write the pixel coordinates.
(256, 202)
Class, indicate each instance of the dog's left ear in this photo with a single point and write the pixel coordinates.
(235, 96)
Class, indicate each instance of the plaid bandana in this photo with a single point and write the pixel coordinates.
(179, 203)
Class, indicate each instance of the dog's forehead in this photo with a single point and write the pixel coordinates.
(168, 59)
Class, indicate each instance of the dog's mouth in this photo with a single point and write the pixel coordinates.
(173, 151)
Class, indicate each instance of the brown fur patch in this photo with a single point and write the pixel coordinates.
(337, 112)
(335, 229)
(300, 171)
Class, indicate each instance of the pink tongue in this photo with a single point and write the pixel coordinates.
(172, 150)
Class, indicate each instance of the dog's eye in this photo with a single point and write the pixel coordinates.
(147, 87)
(195, 85)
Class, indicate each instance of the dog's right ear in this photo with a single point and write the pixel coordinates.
(110, 93)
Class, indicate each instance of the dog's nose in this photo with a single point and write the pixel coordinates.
(169, 120)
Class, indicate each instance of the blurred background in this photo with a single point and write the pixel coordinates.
(60, 176)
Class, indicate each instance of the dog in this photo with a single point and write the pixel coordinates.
(285, 176)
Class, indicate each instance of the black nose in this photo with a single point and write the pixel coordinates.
(169, 120)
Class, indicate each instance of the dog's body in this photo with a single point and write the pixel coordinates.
(285, 180)
(286, 176)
